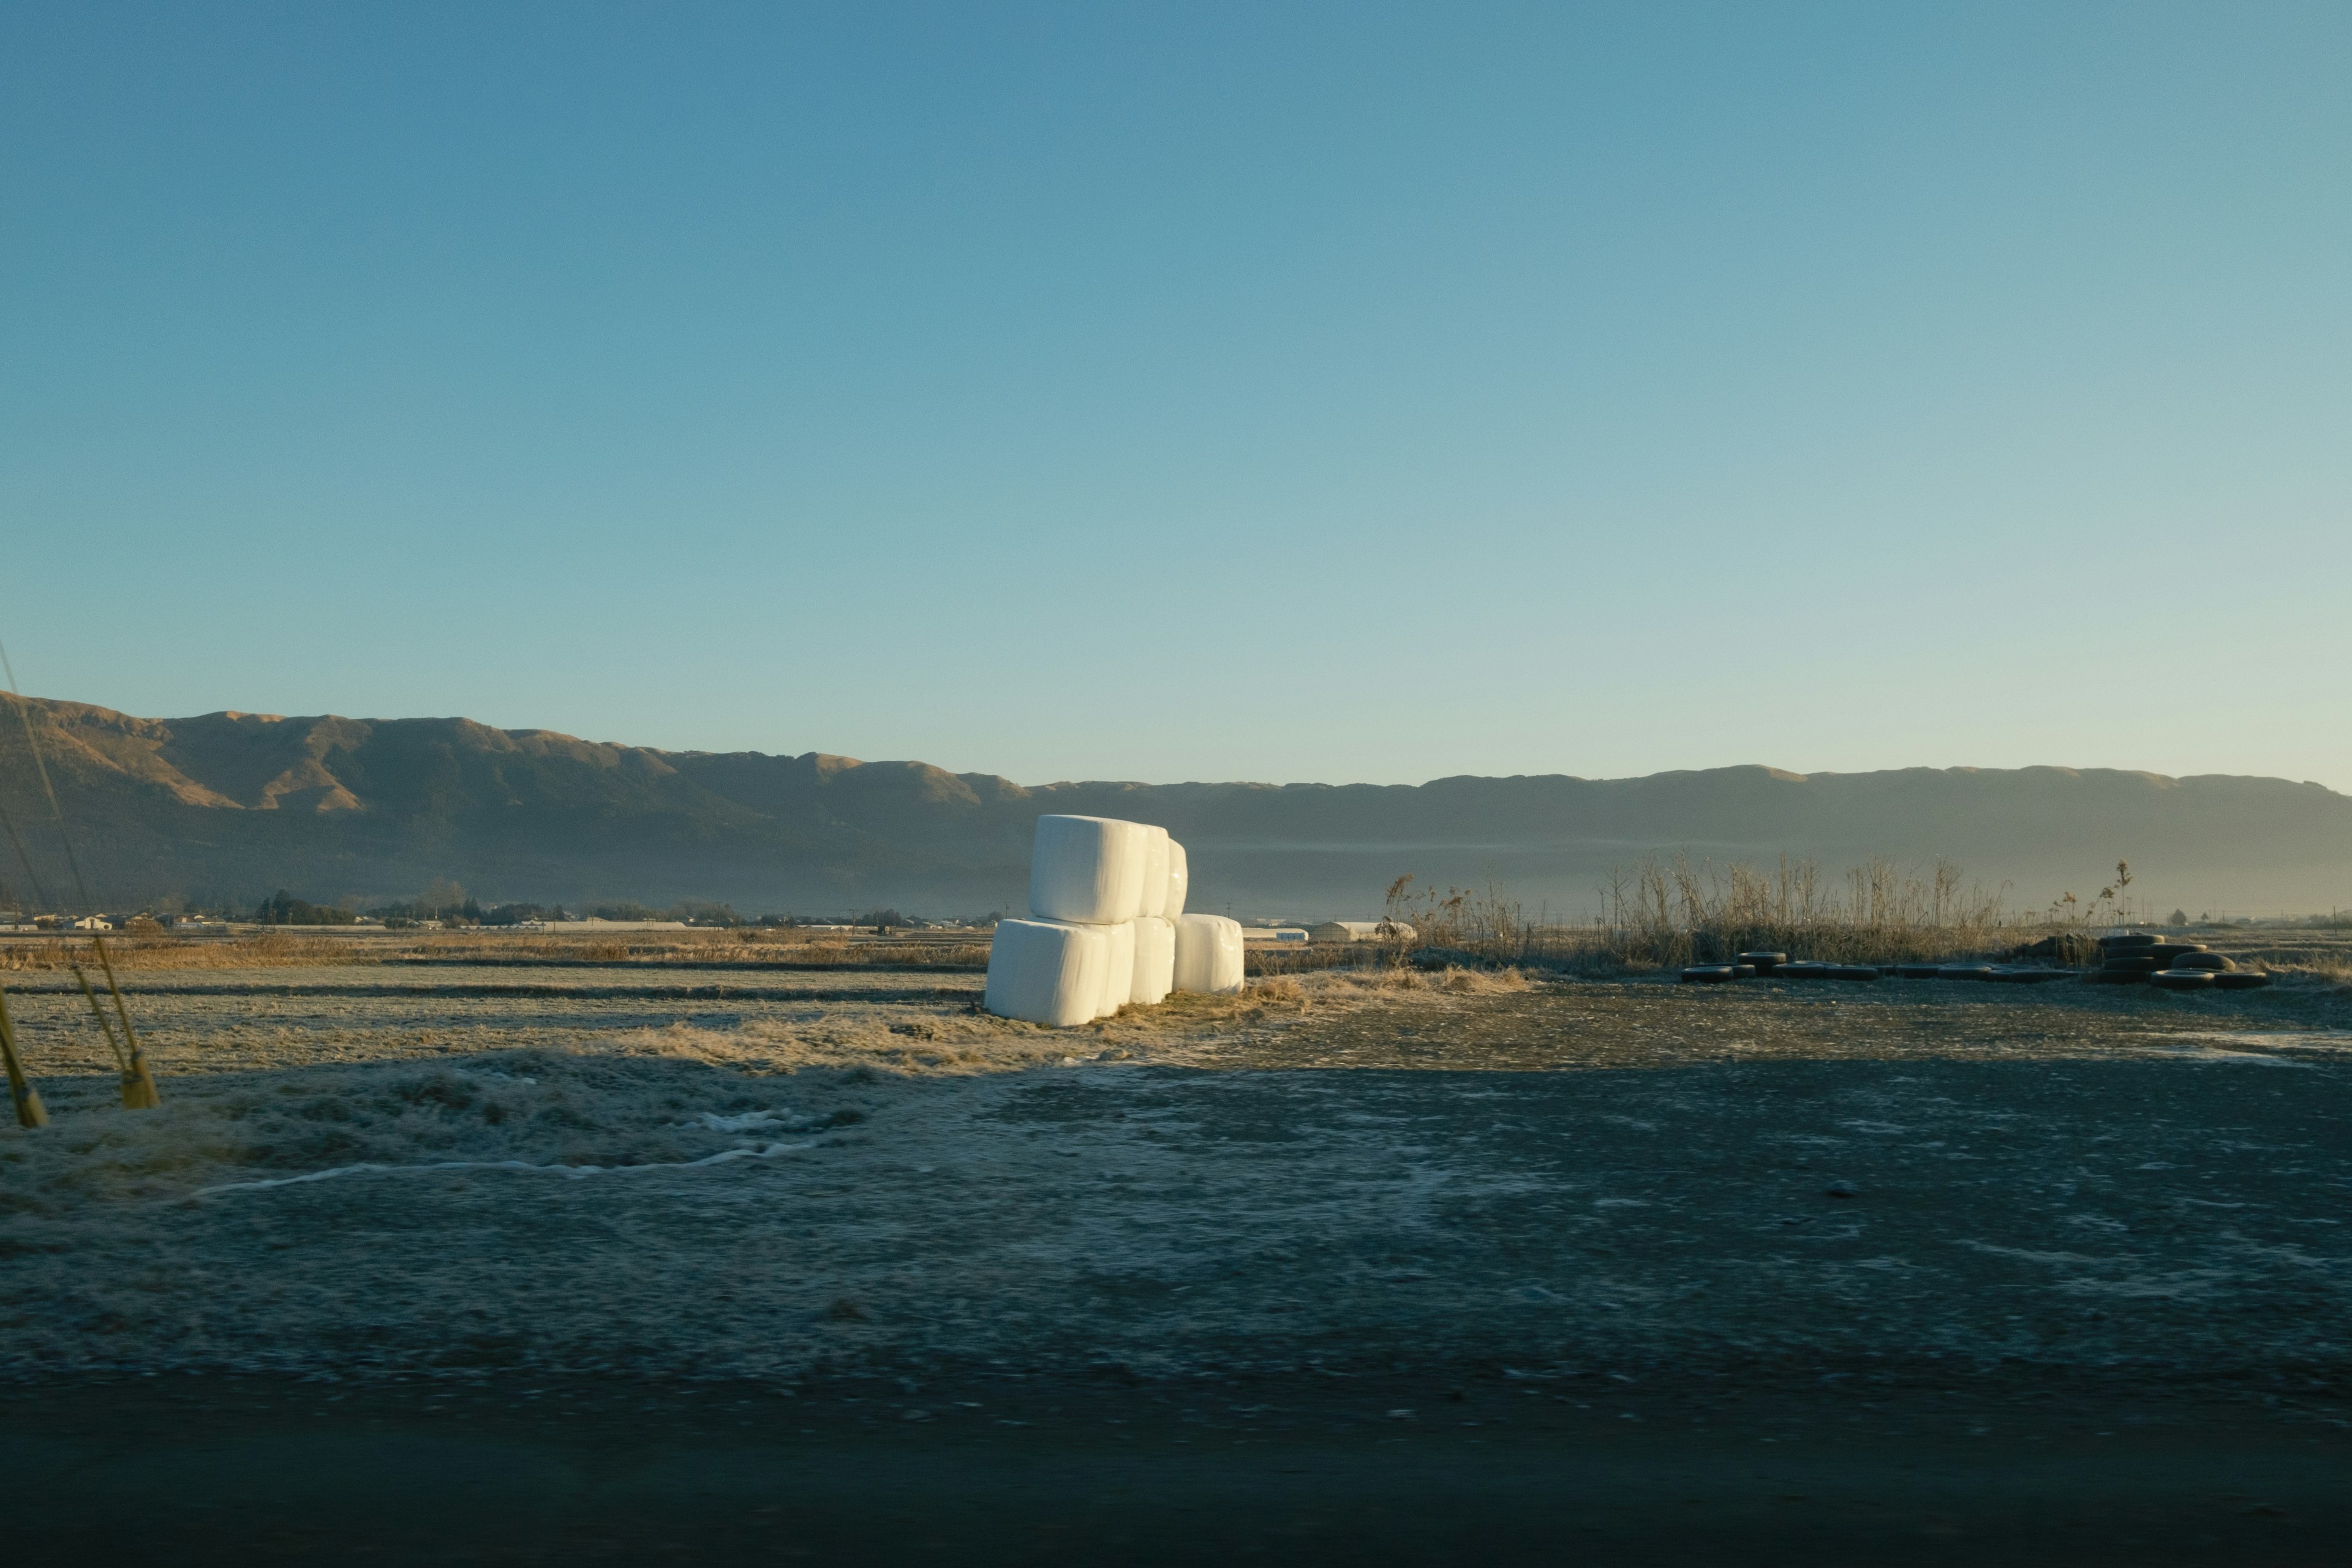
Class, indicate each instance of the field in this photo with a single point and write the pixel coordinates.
(1932, 1268)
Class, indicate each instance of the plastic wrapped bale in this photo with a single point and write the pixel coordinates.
(1179, 880)
(1118, 968)
(1155, 960)
(1086, 869)
(1208, 953)
(1046, 972)
(1155, 873)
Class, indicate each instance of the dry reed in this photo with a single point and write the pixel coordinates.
(1663, 914)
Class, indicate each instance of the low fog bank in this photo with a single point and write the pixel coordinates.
(1570, 881)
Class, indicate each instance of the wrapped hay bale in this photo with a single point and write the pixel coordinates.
(1155, 960)
(1119, 967)
(1155, 873)
(1046, 972)
(1178, 884)
(1208, 953)
(1088, 869)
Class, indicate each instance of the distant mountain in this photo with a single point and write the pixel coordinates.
(233, 805)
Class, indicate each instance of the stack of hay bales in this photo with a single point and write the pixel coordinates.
(1107, 927)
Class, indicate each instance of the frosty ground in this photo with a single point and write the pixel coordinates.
(1899, 1213)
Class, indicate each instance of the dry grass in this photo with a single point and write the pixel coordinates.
(1664, 914)
(285, 947)
(271, 950)
(2331, 977)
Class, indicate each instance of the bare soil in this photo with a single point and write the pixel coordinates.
(1481, 1271)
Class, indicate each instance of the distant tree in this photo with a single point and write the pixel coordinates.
(282, 909)
(2178, 917)
(519, 913)
(622, 912)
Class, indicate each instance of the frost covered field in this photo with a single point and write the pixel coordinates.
(371, 1171)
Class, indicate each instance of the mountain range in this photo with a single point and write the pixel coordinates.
(228, 806)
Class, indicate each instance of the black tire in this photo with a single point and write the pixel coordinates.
(2168, 953)
(1803, 969)
(2202, 959)
(2181, 979)
(2130, 939)
(1854, 972)
(2131, 963)
(1918, 970)
(1743, 972)
(1765, 963)
(2239, 979)
(1709, 974)
(1965, 971)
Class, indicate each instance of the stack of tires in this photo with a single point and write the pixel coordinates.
(2142, 958)
(1752, 965)
(1107, 927)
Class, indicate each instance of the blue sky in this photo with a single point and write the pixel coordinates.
(1347, 392)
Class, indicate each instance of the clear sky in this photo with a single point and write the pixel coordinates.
(1359, 392)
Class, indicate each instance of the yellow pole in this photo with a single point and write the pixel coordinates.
(30, 1112)
(138, 1092)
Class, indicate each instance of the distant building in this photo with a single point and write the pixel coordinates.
(93, 922)
(1361, 931)
(1286, 936)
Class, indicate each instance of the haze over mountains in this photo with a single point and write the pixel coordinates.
(229, 806)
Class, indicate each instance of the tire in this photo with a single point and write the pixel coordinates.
(2131, 963)
(1803, 969)
(1743, 972)
(1965, 971)
(2168, 954)
(1765, 963)
(2128, 940)
(2239, 979)
(1708, 973)
(1918, 970)
(1854, 972)
(2181, 979)
(2202, 959)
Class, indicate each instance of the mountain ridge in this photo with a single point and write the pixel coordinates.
(230, 805)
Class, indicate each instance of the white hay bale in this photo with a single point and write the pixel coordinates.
(1155, 961)
(1118, 968)
(1208, 953)
(1089, 870)
(1179, 883)
(1155, 873)
(1046, 972)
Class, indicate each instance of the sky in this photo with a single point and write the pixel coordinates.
(1284, 392)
